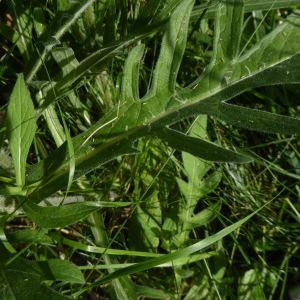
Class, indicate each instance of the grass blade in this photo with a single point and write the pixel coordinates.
(71, 155)
(185, 252)
(56, 33)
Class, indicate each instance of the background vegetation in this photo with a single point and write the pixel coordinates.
(124, 174)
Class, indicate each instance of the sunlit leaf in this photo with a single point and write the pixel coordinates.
(21, 126)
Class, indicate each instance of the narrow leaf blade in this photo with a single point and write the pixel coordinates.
(172, 49)
(259, 120)
(250, 5)
(146, 265)
(201, 148)
(229, 24)
(21, 127)
(130, 83)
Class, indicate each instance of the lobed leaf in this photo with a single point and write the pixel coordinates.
(204, 217)
(146, 230)
(172, 50)
(98, 58)
(264, 64)
(194, 167)
(228, 30)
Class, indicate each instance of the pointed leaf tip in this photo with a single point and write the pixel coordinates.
(203, 149)
(21, 126)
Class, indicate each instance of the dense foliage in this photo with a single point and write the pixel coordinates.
(149, 149)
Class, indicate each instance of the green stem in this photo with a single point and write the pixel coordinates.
(56, 36)
(123, 287)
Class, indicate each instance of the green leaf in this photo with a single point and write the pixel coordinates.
(65, 58)
(199, 127)
(194, 167)
(146, 230)
(130, 83)
(148, 12)
(145, 227)
(250, 6)
(62, 270)
(5, 245)
(71, 154)
(55, 31)
(21, 281)
(87, 159)
(258, 120)
(178, 262)
(228, 30)
(101, 250)
(19, 285)
(98, 58)
(23, 29)
(51, 269)
(197, 187)
(39, 20)
(185, 252)
(172, 50)
(269, 62)
(201, 148)
(61, 216)
(193, 191)
(148, 292)
(54, 125)
(21, 126)
(28, 236)
(251, 286)
(204, 217)
(274, 60)
(168, 8)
